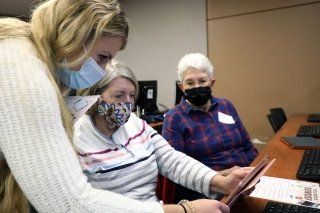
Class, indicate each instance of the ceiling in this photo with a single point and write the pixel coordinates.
(15, 7)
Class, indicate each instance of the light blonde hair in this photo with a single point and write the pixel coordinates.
(114, 69)
(58, 29)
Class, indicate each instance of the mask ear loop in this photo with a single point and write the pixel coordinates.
(99, 101)
(84, 47)
(85, 51)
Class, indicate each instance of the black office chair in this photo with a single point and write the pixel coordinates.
(276, 121)
(179, 93)
(280, 111)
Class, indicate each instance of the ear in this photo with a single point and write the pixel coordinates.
(212, 82)
(180, 85)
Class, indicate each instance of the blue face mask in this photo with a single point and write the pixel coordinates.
(89, 74)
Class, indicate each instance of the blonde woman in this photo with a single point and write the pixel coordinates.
(66, 45)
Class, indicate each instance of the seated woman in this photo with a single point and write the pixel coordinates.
(120, 152)
(205, 127)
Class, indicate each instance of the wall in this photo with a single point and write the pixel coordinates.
(266, 54)
(161, 32)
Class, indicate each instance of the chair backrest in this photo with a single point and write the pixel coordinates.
(179, 93)
(276, 121)
(280, 111)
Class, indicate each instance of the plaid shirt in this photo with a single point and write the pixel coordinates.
(217, 138)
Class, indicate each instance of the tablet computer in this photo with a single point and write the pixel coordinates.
(301, 142)
(249, 181)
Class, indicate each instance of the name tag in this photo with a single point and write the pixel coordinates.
(224, 118)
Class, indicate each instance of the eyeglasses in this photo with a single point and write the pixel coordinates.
(202, 82)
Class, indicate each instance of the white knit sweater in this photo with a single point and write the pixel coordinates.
(34, 143)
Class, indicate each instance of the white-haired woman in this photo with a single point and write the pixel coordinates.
(205, 127)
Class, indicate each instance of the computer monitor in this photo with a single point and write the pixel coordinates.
(147, 97)
(179, 93)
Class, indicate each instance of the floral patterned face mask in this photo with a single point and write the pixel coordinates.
(117, 114)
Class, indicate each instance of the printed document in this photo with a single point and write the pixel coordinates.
(298, 192)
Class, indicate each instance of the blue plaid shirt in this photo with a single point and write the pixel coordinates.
(217, 138)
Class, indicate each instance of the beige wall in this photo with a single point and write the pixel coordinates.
(161, 32)
(266, 54)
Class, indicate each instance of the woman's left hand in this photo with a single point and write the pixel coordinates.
(228, 171)
(225, 184)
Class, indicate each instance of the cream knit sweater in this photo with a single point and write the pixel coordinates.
(34, 143)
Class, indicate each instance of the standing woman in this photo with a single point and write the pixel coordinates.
(66, 45)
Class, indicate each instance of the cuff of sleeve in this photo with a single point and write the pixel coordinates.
(207, 183)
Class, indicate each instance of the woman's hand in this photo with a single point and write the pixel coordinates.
(205, 205)
(228, 171)
(225, 184)
(200, 206)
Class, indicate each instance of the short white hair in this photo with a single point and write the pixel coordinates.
(194, 61)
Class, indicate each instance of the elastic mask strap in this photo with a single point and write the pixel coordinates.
(84, 47)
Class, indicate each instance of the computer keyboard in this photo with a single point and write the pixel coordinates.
(313, 117)
(275, 207)
(309, 131)
(309, 168)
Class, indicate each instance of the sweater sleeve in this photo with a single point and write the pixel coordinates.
(182, 169)
(34, 143)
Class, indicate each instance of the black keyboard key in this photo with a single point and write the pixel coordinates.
(275, 207)
(309, 168)
(313, 118)
(309, 131)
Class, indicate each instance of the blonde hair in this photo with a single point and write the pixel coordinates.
(11, 196)
(114, 70)
(69, 24)
(58, 29)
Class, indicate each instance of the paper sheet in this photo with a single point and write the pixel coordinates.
(78, 105)
(302, 193)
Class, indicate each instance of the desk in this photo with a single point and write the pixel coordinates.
(157, 126)
(285, 166)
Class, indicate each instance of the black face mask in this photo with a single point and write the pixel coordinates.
(198, 96)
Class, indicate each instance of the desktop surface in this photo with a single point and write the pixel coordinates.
(286, 164)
